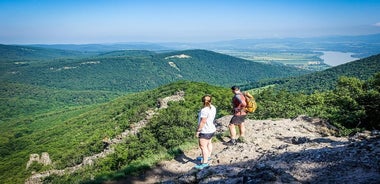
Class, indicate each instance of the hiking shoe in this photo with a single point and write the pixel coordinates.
(231, 142)
(200, 158)
(241, 140)
(202, 166)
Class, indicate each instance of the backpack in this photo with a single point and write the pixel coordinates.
(250, 101)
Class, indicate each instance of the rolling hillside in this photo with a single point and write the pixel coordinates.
(24, 99)
(132, 71)
(326, 80)
(41, 79)
(70, 134)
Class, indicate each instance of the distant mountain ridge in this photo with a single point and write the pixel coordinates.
(132, 71)
(12, 53)
(104, 47)
(361, 45)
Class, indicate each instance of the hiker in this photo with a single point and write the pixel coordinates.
(205, 130)
(239, 114)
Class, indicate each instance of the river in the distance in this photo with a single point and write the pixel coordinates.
(334, 58)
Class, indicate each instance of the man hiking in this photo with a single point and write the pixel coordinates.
(239, 114)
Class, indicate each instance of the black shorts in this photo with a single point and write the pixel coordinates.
(206, 136)
(237, 120)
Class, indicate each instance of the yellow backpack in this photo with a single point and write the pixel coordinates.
(251, 102)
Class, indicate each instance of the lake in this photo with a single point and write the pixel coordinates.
(334, 58)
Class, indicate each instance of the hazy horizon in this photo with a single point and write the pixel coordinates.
(117, 21)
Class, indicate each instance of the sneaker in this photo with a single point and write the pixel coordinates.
(200, 158)
(241, 140)
(231, 142)
(202, 166)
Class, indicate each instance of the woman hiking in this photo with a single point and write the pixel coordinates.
(206, 130)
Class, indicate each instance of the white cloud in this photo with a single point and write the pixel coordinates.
(377, 24)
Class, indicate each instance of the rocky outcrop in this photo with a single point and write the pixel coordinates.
(300, 150)
(163, 103)
(347, 162)
(44, 159)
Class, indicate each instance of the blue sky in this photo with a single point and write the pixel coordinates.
(110, 21)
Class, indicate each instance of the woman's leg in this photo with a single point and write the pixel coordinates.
(209, 148)
(203, 144)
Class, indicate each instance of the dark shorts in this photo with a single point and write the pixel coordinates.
(237, 120)
(205, 136)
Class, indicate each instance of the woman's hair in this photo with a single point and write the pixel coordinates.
(207, 100)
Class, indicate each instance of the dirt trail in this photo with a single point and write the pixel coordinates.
(299, 150)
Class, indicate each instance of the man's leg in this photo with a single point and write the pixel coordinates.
(242, 133)
(232, 134)
(232, 129)
(242, 129)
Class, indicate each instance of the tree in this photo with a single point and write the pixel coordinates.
(371, 103)
(350, 112)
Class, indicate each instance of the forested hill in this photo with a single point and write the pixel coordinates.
(221, 69)
(14, 53)
(326, 80)
(130, 71)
